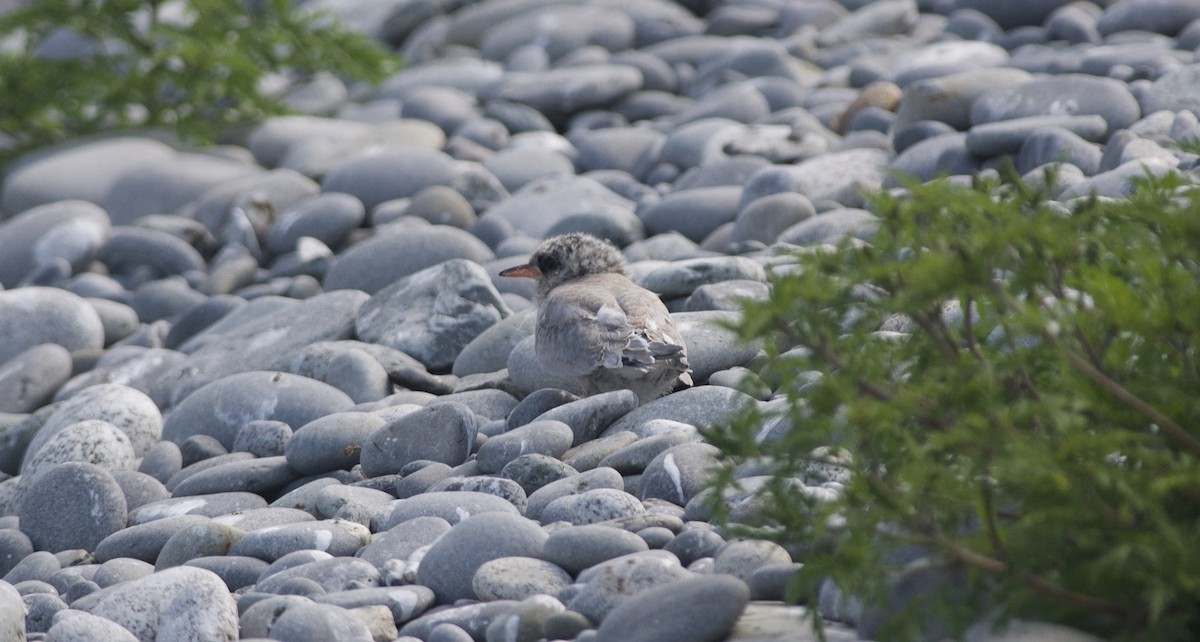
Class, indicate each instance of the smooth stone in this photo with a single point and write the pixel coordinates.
(832, 227)
(443, 433)
(149, 370)
(1124, 146)
(400, 250)
(332, 442)
(609, 583)
(618, 148)
(694, 543)
(442, 205)
(887, 18)
(679, 472)
(596, 478)
(1175, 90)
(841, 176)
(200, 540)
(451, 562)
(726, 296)
(487, 403)
(1054, 145)
(537, 403)
(1014, 13)
(681, 278)
(264, 342)
(1007, 136)
(1061, 95)
(336, 537)
(237, 572)
(506, 489)
(398, 367)
(558, 93)
(81, 171)
(741, 558)
(402, 540)
(945, 58)
(699, 406)
(335, 500)
(1167, 17)
(390, 174)
(551, 438)
(119, 320)
(592, 506)
(208, 506)
(263, 438)
(420, 480)
(763, 219)
(220, 408)
(329, 218)
(182, 603)
(588, 455)
(259, 616)
(69, 230)
(535, 208)
(33, 316)
(145, 541)
(333, 575)
(670, 610)
(633, 459)
(40, 609)
(517, 167)
(446, 107)
(132, 249)
(413, 315)
(263, 476)
(74, 505)
(526, 621)
(518, 578)
(944, 154)
(737, 101)
(452, 506)
(28, 380)
(253, 519)
(1119, 181)
(91, 441)
(14, 547)
(533, 471)
(559, 30)
(74, 625)
(590, 416)
(695, 213)
(199, 318)
(170, 185)
(471, 619)
(580, 547)
(490, 349)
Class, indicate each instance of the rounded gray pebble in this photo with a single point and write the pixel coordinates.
(74, 505)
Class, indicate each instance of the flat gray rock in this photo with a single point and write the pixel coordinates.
(1064, 94)
(551, 438)
(558, 93)
(335, 537)
(699, 406)
(679, 472)
(452, 506)
(538, 206)
(329, 218)
(401, 540)
(28, 380)
(400, 250)
(220, 408)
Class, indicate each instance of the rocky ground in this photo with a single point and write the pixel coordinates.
(278, 390)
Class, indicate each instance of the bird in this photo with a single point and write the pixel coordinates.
(596, 325)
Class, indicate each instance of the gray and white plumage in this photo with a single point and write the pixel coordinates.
(596, 325)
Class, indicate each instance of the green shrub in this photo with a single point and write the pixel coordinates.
(1010, 386)
(195, 66)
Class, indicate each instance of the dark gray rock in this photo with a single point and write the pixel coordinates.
(1175, 91)
(680, 472)
(695, 213)
(332, 442)
(200, 540)
(450, 564)
(263, 438)
(1052, 145)
(590, 416)
(726, 296)
(533, 471)
(551, 438)
(74, 505)
(1007, 136)
(404, 602)
(328, 218)
(235, 571)
(262, 476)
(144, 541)
(401, 173)
(699, 406)
(538, 206)
(402, 540)
(444, 433)
(132, 249)
(578, 548)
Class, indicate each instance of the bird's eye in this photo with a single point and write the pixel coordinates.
(547, 263)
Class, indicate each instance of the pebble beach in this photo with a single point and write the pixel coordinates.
(275, 389)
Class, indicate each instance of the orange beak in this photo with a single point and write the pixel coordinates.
(526, 271)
